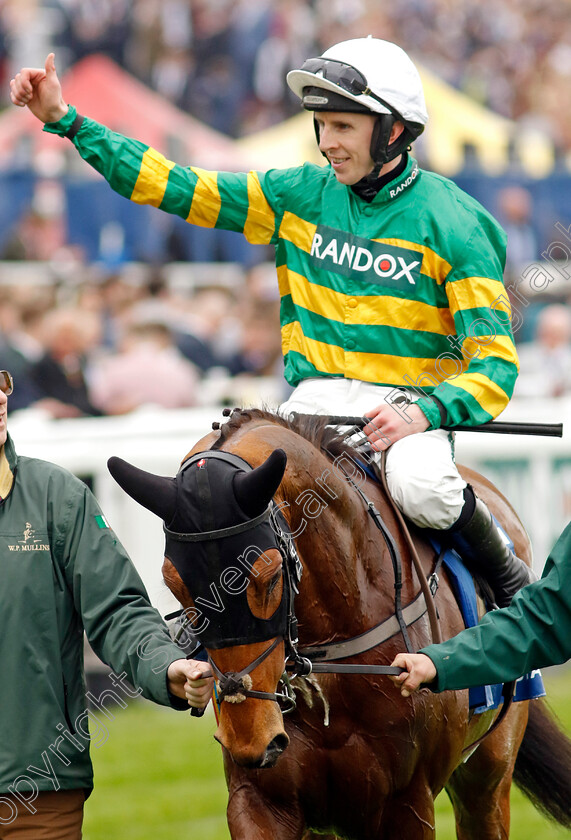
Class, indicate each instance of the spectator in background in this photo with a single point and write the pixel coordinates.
(20, 344)
(515, 211)
(217, 95)
(148, 370)
(69, 335)
(41, 233)
(545, 362)
(210, 332)
(158, 29)
(112, 296)
(99, 27)
(259, 351)
(194, 323)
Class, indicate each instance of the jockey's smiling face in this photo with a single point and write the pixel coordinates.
(345, 138)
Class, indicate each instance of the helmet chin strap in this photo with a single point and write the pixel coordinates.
(372, 176)
(382, 151)
(368, 186)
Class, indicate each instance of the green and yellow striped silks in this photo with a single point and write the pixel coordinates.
(406, 290)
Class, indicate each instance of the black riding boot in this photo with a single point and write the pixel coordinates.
(483, 548)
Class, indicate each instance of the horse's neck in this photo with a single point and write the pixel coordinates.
(345, 585)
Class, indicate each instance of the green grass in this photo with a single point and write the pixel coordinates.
(158, 776)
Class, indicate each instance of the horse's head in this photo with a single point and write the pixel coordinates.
(224, 563)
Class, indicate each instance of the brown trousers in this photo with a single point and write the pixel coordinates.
(58, 816)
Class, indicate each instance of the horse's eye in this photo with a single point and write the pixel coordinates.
(274, 581)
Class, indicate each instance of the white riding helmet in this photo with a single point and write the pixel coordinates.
(366, 75)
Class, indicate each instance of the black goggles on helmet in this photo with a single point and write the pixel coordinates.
(347, 77)
(6, 382)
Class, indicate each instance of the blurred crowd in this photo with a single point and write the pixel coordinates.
(225, 60)
(114, 344)
(119, 342)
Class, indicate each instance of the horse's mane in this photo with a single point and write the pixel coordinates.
(312, 427)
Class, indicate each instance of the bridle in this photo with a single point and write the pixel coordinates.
(236, 686)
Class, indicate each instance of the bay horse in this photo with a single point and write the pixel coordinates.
(269, 521)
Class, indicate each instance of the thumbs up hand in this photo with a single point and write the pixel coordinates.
(40, 90)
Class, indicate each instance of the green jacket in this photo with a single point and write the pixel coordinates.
(63, 572)
(533, 632)
(405, 291)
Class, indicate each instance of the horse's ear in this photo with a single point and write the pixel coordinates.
(156, 493)
(254, 490)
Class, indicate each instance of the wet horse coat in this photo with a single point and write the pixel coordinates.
(355, 758)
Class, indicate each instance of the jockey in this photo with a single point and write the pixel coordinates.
(391, 278)
(367, 88)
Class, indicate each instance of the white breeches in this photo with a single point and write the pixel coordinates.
(421, 474)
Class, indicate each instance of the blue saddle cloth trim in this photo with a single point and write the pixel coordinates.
(485, 697)
(368, 470)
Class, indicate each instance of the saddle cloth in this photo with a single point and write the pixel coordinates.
(486, 697)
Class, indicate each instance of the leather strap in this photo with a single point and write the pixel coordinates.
(325, 668)
(370, 639)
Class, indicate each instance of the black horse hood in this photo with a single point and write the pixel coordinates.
(203, 508)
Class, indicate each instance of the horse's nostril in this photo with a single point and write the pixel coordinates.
(279, 743)
(274, 749)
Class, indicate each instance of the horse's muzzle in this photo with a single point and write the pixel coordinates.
(267, 758)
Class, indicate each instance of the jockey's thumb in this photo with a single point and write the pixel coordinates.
(50, 106)
(50, 66)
